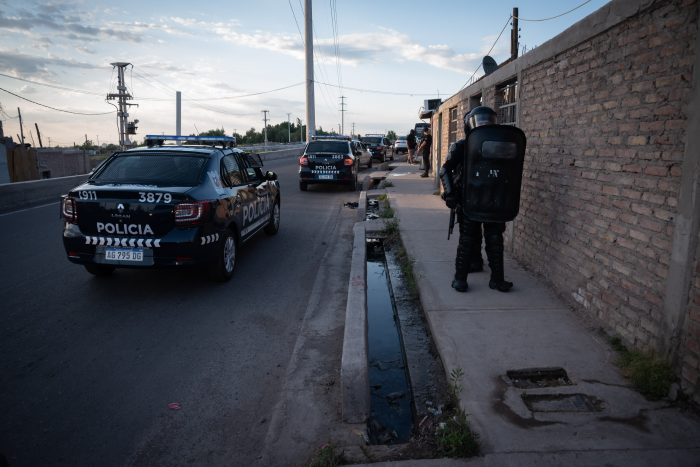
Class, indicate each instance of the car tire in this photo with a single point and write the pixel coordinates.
(221, 270)
(100, 270)
(274, 225)
(353, 184)
(303, 186)
(369, 164)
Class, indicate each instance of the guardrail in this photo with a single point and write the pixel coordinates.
(20, 195)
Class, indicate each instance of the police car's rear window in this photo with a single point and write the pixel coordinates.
(153, 169)
(337, 147)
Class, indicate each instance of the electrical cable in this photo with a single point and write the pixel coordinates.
(494, 45)
(55, 86)
(554, 17)
(204, 99)
(377, 91)
(53, 108)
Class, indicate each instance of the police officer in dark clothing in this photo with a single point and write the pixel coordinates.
(424, 150)
(469, 248)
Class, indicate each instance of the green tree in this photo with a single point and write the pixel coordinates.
(391, 135)
(216, 132)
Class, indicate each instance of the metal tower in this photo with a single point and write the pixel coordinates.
(122, 95)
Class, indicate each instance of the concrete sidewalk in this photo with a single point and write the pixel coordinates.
(598, 419)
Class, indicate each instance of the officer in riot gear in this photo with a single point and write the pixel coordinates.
(483, 196)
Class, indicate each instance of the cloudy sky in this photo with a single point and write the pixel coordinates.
(233, 59)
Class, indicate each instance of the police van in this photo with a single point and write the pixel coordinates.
(192, 203)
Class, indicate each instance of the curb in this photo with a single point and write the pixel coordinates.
(354, 373)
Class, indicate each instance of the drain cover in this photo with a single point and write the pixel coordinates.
(562, 403)
(539, 377)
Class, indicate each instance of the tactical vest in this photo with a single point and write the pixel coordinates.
(492, 173)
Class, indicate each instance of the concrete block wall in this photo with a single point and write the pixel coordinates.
(605, 107)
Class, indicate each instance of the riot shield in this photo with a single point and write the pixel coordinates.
(493, 173)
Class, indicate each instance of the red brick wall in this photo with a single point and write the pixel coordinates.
(690, 371)
(605, 122)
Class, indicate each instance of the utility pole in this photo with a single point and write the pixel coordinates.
(265, 128)
(514, 33)
(353, 128)
(38, 135)
(122, 95)
(342, 114)
(21, 128)
(301, 130)
(309, 49)
(289, 128)
(178, 113)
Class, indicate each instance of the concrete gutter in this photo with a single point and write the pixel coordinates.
(354, 373)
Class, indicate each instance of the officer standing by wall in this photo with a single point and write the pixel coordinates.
(478, 196)
(424, 150)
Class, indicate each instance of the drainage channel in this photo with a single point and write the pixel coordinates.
(391, 402)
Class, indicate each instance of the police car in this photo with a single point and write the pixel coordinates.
(332, 159)
(169, 205)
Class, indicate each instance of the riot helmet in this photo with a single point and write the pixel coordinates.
(479, 116)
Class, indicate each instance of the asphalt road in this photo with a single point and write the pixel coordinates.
(165, 367)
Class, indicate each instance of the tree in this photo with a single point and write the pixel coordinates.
(216, 132)
(391, 135)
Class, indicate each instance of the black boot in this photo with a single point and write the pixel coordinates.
(476, 263)
(493, 233)
(469, 234)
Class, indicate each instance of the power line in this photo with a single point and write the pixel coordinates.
(377, 91)
(55, 86)
(558, 16)
(53, 108)
(489, 52)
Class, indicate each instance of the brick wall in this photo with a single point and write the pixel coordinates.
(606, 117)
(602, 172)
(690, 370)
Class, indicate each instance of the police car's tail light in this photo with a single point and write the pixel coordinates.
(191, 213)
(348, 161)
(69, 210)
(303, 160)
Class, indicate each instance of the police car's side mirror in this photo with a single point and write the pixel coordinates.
(270, 176)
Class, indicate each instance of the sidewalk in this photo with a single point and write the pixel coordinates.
(596, 420)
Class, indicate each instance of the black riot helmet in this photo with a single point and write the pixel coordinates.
(479, 116)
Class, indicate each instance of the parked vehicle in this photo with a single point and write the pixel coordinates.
(170, 206)
(378, 145)
(400, 145)
(331, 159)
(420, 129)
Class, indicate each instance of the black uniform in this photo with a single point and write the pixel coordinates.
(470, 232)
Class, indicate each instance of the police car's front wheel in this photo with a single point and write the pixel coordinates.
(222, 268)
(274, 224)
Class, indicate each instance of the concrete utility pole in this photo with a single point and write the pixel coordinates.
(514, 33)
(265, 127)
(21, 128)
(309, 49)
(178, 113)
(342, 114)
(353, 128)
(122, 96)
(289, 128)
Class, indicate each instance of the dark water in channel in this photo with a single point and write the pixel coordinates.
(391, 407)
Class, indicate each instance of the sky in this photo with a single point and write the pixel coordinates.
(377, 60)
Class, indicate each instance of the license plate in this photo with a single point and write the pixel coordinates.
(325, 177)
(134, 255)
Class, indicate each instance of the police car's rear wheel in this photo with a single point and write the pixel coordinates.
(222, 268)
(302, 186)
(274, 224)
(99, 269)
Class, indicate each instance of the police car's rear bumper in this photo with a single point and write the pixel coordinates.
(311, 176)
(180, 247)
